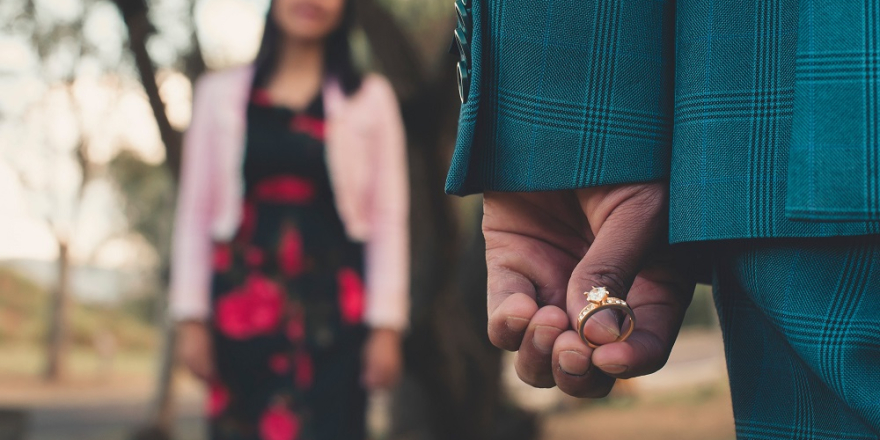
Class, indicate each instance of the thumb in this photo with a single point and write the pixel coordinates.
(628, 222)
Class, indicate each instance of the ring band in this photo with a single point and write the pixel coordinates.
(600, 300)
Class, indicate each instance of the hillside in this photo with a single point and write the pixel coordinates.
(24, 308)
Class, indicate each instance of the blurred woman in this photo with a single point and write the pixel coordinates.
(290, 264)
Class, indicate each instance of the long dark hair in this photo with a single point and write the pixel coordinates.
(338, 62)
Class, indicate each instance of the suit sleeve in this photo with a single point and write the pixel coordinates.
(566, 94)
(191, 243)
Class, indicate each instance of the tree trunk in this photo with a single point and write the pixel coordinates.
(134, 12)
(59, 313)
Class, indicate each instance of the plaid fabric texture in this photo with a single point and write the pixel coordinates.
(770, 128)
(735, 157)
(800, 323)
(572, 93)
(837, 76)
(469, 109)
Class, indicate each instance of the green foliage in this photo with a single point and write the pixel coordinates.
(145, 308)
(23, 310)
(415, 14)
(429, 25)
(147, 195)
(89, 323)
(701, 313)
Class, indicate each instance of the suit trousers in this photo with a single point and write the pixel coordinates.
(801, 325)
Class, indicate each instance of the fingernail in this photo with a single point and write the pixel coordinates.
(515, 324)
(613, 369)
(544, 338)
(573, 363)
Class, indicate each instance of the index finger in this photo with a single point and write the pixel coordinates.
(515, 272)
(526, 268)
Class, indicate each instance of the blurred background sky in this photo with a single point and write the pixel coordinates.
(41, 122)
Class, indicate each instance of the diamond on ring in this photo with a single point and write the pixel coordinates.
(597, 295)
(599, 298)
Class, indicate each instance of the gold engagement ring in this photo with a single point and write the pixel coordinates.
(600, 299)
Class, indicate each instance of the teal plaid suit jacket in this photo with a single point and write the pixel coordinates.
(762, 114)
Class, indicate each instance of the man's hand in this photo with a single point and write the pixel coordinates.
(545, 249)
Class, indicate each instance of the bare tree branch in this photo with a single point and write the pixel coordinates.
(134, 12)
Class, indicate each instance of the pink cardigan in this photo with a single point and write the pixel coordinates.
(367, 162)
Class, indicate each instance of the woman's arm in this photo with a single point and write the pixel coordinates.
(191, 245)
(388, 248)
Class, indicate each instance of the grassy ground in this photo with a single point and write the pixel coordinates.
(27, 360)
(24, 312)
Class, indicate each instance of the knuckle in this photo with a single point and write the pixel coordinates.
(605, 275)
(640, 205)
(494, 242)
(501, 337)
(651, 197)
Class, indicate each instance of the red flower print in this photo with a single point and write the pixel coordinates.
(222, 257)
(253, 309)
(253, 257)
(306, 124)
(279, 363)
(305, 370)
(290, 254)
(232, 316)
(266, 302)
(351, 296)
(218, 399)
(279, 423)
(285, 189)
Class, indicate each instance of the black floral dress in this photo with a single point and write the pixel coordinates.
(287, 294)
